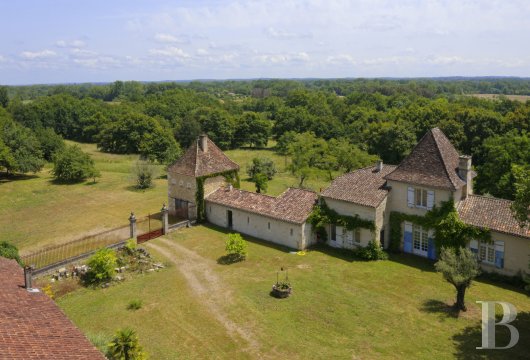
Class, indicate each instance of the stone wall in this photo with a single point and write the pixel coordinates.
(296, 236)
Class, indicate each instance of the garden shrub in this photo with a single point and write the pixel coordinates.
(9, 251)
(101, 266)
(125, 345)
(371, 252)
(135, 304)
(236, 247)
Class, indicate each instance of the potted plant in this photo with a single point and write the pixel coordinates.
(281, 289)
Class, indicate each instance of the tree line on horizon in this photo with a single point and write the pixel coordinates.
(337, 125)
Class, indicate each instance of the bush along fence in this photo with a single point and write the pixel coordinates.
(141, 229)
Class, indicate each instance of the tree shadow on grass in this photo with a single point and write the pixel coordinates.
(338, 253)
(439, 307)
(470, 338)
(63, 182)
(229, 259)
(414, 261)
(16, 177)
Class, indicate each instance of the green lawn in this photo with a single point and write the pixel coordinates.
(283, 178)
(35, 211)
(341, 308)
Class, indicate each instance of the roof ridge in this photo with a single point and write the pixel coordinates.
(252, 192)
(411, 151)
(489, 197)
(441, 156)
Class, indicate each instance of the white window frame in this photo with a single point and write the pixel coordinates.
(484, 250)
(420, 198)
(422, 241)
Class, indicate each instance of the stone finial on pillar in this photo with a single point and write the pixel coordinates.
(165, 219)
(28, 277)
(132, 225)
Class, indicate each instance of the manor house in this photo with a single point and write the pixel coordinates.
(201, 186)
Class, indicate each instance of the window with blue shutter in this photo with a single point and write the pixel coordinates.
(407, 238)
(499, 254)
(431, 252)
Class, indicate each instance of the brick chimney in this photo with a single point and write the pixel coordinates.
(379, 166)
(203, 142)
(466, 173)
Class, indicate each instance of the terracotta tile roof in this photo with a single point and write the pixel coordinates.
(363, 186)
(491, 213)
(433, 162)
(196, 162)
(32, 326)
(293, 205)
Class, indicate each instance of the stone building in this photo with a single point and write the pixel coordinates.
(433, 173)
(203, 159)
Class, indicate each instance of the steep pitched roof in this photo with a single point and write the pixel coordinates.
(293, 205)
(433, 162)
(196, 162)
(491, 213)
(363, 186)
(32, 326)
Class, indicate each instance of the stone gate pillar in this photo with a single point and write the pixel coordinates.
(132, 225)
(165, 219)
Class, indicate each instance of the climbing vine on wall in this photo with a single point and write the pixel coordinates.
(322, 215)
(231, 176)
(449, 230)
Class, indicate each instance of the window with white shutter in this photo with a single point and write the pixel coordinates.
(410, 197)
(430, 199)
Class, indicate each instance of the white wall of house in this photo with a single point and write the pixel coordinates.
(344, 237)
(296, 236)
(516, 253)
(398, 197)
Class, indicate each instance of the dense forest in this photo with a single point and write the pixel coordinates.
(323, 125)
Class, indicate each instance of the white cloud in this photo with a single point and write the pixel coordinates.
(448, 60)
(70, 44)
(37, 55)
(202, 52)
(82, 53)
(2, 58)
(282, 34)
(170, 52)
(99, 63)
(281, 58)
(168, 38)
(341, 59)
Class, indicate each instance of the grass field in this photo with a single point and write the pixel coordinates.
(340, 308)
(283, 178)
(521, 98)
(36, 212)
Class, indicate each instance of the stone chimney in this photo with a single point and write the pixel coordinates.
(203, 142)
(466, 173)
(379, 166)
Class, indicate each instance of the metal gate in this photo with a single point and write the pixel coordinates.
(154, 229)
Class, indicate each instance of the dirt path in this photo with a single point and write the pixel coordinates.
(209, 289)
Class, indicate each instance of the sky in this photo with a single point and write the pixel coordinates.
(58, 41)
